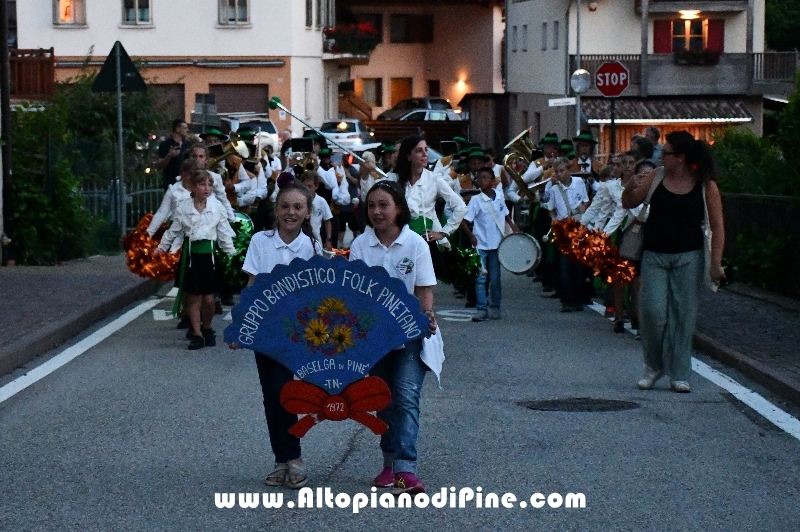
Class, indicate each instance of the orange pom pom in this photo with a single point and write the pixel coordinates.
(593, 249)
(141, 257)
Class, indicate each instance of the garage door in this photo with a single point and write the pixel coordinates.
(241, 98)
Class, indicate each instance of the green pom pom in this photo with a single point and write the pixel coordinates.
(232, 266)
(463, 267)
(273, 102)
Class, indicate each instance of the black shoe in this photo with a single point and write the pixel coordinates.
(196, 342)
(184, 323)
(189, 334)
(619, 327)
(566, 308)
(209, 337)
(227, 301)
(217, 307)
(577, 308)
(635, 324)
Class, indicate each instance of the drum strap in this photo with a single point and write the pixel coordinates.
(490, 207)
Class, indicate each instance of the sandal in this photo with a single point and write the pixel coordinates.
(278, 476)
(296, 477)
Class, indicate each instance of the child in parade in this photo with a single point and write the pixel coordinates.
(204, 222)
(320, 210)
(389, 242)
(292, 237)
(489, 214)
(568, 199)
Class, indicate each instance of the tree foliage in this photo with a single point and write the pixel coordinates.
(58, 146)
(782, 22)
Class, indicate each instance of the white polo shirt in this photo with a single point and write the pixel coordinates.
(267, 250)
(319, 211)
(485, 229)
(575, 194)
(408, 258)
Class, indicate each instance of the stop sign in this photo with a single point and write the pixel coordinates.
(611, 78)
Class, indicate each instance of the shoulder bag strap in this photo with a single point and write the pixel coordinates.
(490, 208)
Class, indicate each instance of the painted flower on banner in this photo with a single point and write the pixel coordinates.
(329, 327)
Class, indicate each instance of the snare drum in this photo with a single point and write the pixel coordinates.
(519, 253)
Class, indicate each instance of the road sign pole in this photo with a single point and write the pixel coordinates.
(120, 161)
(613, 125)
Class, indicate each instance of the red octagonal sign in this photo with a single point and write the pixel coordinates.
(611, 78)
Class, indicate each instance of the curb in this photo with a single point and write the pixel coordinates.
(785, 387)
(26, 349)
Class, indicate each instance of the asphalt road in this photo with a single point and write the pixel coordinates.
(139, 433)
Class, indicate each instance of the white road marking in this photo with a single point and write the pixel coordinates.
(227, 317)
(39, 372)
(770, 412)
(172, 293)
(162, 315)
(775, 415)
(455, 315)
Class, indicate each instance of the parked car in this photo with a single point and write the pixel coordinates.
(267, 133)
(431, 115)
(413, 104)
(346, 131)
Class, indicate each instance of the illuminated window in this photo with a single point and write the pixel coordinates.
(68, 12)
(688, 35)
(233, 12)
(136, 12)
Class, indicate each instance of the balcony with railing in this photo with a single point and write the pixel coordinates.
(32, 74)
(727, 74)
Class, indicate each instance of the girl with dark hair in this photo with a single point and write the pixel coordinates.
(421, 188)
(685, 194)
(389, 242)
(292, 237)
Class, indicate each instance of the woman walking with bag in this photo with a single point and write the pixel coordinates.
(678, 254)
(684, 203)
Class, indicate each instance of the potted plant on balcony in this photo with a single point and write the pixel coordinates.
(355, 39)
(697, 57)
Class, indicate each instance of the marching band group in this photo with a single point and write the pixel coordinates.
(465, 201)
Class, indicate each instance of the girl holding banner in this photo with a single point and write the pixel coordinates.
(390, 243)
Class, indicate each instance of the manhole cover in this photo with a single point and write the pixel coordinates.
(579, 404)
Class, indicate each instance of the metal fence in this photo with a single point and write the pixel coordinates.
(141, 195)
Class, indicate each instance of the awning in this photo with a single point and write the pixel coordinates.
(666, 110)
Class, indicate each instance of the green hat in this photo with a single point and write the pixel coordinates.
(476, 153)
(461, 167)
(325, 151)
(460, 139)
(246, 133)
(387, 147)
(549, 138)
(567, 148)
(463, 152)
(213, 132)
(585, 136)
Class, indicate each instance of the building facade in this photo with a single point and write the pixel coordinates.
(698, 65)
(243, 51)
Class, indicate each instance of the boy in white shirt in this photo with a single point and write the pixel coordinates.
(489, 214)
(320, 211)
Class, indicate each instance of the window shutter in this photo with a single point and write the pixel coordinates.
(662, 36)
(716, 35)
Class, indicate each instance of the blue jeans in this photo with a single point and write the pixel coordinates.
(490, 261)
(404, 372)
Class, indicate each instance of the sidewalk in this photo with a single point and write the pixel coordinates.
(756, 332)
(43, 306)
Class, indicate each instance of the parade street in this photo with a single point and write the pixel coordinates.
(138, 433)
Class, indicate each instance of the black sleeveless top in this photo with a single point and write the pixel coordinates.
(675, 221)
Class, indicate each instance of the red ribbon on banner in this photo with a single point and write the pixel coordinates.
(354, 402)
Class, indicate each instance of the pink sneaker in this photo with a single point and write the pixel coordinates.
(406, 482)
(385, 478)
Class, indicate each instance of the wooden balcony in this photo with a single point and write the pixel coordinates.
(706, 6)
(32, 74)
(735, 74)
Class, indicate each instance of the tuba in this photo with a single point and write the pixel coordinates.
(229, 149)
(305, 160)
(517, 160)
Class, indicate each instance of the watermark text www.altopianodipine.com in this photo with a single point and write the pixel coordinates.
(320, 498)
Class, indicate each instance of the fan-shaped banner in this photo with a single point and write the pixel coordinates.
(327, 320)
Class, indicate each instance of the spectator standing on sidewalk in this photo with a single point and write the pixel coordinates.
(673, 261)
(653, 134)
(171, 150)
